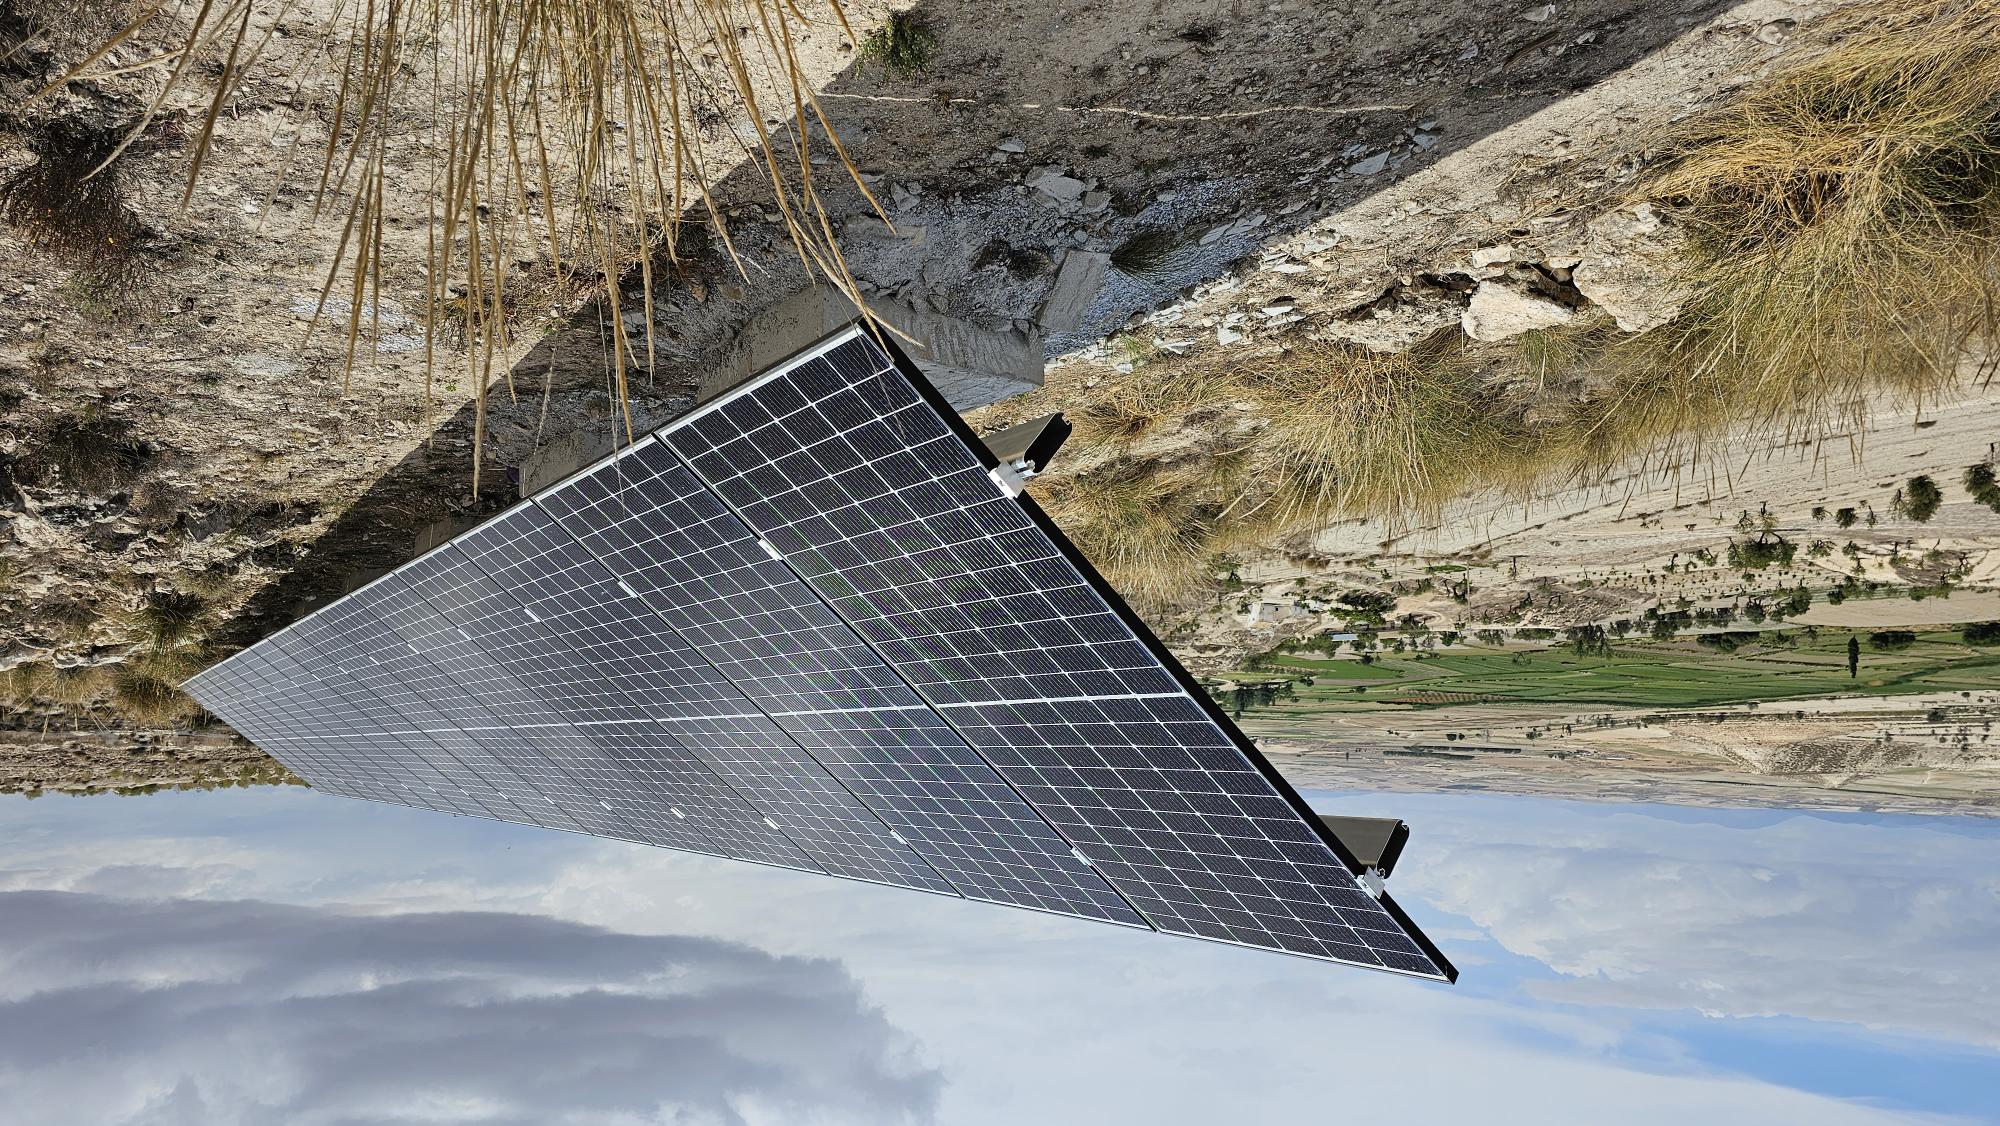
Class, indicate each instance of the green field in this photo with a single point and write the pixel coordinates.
(1638, 674)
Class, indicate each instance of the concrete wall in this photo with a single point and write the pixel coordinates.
(970, 366)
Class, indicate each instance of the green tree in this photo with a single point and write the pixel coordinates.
(1920, 498)
(1853, 656)
(1589, 641)
(1981, 482)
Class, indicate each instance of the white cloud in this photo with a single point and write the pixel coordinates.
(116, 1012)
(1032, 1018)
(1892, 926)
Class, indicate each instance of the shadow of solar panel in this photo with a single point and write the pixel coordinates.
(808, 626)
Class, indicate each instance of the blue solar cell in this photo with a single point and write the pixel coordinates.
(842, 712)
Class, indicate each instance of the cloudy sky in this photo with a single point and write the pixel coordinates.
(277, 956)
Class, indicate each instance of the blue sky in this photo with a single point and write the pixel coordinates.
(285, 957)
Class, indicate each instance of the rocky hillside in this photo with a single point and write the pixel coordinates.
(1127, 186)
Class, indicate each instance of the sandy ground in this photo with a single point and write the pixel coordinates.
(1924, 746)
(1962, 606)
(1618, 779)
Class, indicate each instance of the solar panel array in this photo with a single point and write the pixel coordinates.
(808, 626)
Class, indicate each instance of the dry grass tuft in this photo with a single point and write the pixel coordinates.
(1135, 407)
(59, 26)
(1158, 255)
(1844, 230)
(1545, 357)
(1360, 432)
(70, 203)
(90, 452)
(168, 618)
(73, 687)
(1147, 530)
(1348, 432)
(146, 690)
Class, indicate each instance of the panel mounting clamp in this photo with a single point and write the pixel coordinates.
(1011, 477)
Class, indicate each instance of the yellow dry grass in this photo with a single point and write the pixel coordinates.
(1268, 450)
(146, 690)
(1844, 233)
(25, 685)
(1843, 222)
(551, 129)
(1359, 432)
(1147, 530)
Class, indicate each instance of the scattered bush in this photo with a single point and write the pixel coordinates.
(1982, 633)
(1796, 602)
(1762, 552)
(1981, 483)
(902, 45)
(1889, 640)
(1919, 499)
(1589, 641)
(1366, 601)
(1665, 626)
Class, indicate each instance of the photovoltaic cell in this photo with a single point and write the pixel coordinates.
(352, 669)
(559, 622)
(807, 626)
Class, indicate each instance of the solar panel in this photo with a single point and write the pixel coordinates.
(870, 495)
(811, 625)
(775, 648)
